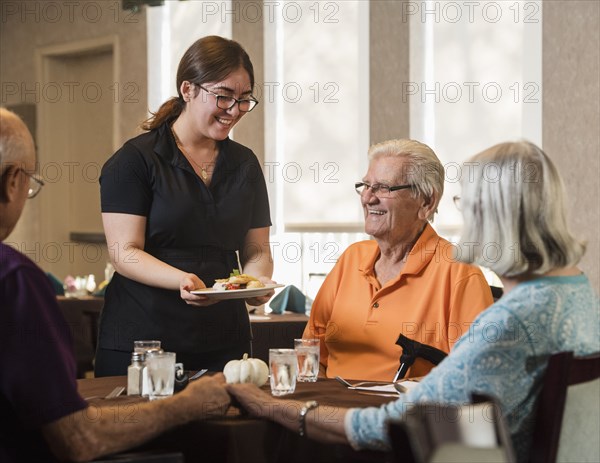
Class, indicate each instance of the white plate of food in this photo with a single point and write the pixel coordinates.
(222, 294)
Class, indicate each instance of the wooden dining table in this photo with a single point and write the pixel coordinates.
(238, 437)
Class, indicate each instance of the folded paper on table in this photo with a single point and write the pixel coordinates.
(386, 388)
(290, 299)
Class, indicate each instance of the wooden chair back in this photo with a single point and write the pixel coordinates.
(570, 383)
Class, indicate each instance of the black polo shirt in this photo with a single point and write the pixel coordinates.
(190, 226)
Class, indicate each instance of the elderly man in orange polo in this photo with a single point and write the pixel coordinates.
(403, 281)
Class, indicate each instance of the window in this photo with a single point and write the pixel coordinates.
(317, 133)
(475, 81)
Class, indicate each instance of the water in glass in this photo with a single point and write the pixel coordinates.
(161, 374)
(308, 353)
(283, 366)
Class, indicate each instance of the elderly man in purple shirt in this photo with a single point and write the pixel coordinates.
(43, 416)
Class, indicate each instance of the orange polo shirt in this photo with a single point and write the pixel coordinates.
(433, 301)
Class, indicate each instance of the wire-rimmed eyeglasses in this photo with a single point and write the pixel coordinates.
(35, 184)
(456, 199)
(227, 102)
(378, 189)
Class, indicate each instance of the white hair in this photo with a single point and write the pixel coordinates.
(423, 169)
(514, 213)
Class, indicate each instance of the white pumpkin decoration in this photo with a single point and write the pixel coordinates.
(246, 370)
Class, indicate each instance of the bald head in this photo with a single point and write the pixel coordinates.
(16, 143)
(17, 160)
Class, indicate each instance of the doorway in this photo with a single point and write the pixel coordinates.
(76, 133)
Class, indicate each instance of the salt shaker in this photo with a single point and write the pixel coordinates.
(134, 374)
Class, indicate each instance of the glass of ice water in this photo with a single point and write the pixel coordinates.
(283, 367)
(308, 353)
(161, 374)
(143, 346)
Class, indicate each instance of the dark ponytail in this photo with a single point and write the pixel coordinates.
(170, 109)
(209, 59)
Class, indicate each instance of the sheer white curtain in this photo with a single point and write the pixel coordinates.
(171, 29)
(316, 100)
(475, 72)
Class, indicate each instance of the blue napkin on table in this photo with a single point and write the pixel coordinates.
(289, 298)
(56, 284)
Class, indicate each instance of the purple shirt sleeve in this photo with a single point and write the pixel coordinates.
(37, 362)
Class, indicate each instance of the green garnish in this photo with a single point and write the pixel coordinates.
(235, 273)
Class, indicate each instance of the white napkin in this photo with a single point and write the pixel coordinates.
(386, 388)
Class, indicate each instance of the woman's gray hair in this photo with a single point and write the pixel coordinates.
(513, 205)
(423, 169)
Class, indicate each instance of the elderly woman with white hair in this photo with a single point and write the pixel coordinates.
(403, 281)
(512, 200)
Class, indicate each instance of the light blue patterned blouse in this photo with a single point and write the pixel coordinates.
(504, 354)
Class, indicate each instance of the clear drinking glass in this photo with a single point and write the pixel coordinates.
(283, 366)
(308, 353)
(144, 346)
(161, 374)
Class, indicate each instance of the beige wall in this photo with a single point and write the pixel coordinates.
(28, 26)
(571, 114)
(389, 37)
(250, 131)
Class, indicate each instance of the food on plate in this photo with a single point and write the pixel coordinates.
(238, 281)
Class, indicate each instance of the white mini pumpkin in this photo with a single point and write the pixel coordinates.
(246, 370)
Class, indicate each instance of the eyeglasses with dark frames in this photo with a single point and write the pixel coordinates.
(379, 190)
(35, 184)
(227, 102)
